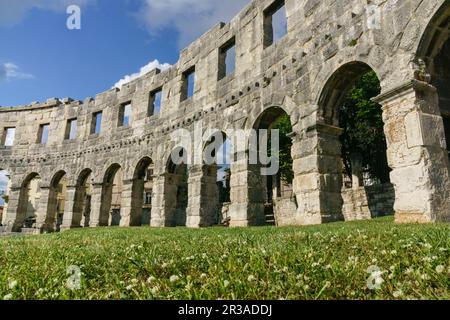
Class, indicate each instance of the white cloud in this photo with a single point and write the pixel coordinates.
(14, 11)
(191, 18)
(9, 72)
(144, 70)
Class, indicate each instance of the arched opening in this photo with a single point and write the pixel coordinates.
(29, 198)
(141, 196)
(216, 180)
(176, 193)
(111, 202)
(346, 103)
(275, 188)
(56, 202)
(434, 49)
(82, 204)
(4, 194)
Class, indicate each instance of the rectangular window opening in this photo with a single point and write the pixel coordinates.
(96, 125)
(9, 134)
(71, 129)
(155, 101)
(43, 133)
(125, 115)
(148, 198)
(227, 59)
(188, 86)
(275, 23)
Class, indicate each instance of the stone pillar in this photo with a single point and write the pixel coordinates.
(317, 169)
(203, 196)
(126, 206)
(158, 214)
(70, 208)
(46, 220)
(14, 216)
(417, 152)
(247, 200)
(96, 204)
(357, 178)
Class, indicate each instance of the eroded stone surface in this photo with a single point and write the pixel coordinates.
(300, 74)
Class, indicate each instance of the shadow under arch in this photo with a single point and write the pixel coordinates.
(82, 201)
(111, 196)
(56, 202)
(29, 197)
(434, 50)
(354, 180)
(215, 179)
(275, 191)
(142, 186)
(333, 93)
(4, 193)
(176, 188)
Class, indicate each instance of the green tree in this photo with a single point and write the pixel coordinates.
(362, 122)
(283, 124)
(363, 133)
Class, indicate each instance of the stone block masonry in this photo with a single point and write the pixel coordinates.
(328, 45)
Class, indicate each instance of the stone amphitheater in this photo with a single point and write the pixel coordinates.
(106, 160)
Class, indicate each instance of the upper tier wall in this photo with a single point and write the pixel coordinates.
(322, 36)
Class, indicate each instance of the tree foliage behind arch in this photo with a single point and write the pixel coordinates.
(362, 121)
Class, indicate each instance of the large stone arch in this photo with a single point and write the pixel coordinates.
(247, 198)
(434, 18)
(285, 103)
(290, 75)
(5, 184)
(363, 196)
(78, 204)
(333, 92)
(21, 203)
(327, 75)
(207, 191)
(434, 50)
(51, 211)
(414, 125)
(176, 190)
(280, 205)
(142, 180)
(111, 179)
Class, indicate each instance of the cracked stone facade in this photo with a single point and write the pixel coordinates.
(329, 44)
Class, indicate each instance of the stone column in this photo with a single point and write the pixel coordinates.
(14, 217)
(79, 207)
(96, 202)
(417, 152)
(45, 221)
(70, 208)
(203, 196)
(247, 200)
(317, 166)
(357, 178)
(126, 206)
(158, 214)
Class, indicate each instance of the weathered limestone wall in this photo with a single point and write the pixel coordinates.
(294, 73)
(368, 202)
(286, 212)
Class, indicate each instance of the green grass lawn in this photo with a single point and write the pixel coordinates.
(333, 261)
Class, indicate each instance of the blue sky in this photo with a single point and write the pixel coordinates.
(40, 58)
